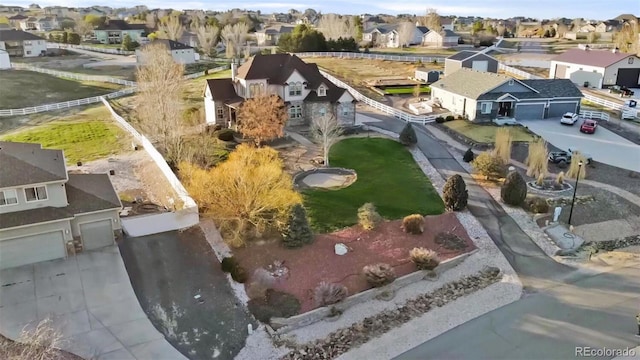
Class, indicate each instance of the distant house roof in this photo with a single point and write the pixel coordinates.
(445, 20)
(18, 35)
(90, 192)
(18, 17)
(24, 163)
(223, 90)
(382, 28)
(627, 17)
(448, 33)
(598, 58)
(170, 44)
(120, 25)
(277, 29)
(462, 55)
(423, 29)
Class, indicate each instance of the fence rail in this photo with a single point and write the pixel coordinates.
(90, 48)
(71, 75)
(373, 56)
(517, 72)
(602, 102)
(596, 115)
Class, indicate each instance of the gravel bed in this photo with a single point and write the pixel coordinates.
(611, 245)
(607, 206)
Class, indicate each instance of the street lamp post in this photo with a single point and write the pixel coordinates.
(575, 189)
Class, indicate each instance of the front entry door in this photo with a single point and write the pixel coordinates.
(504, 109)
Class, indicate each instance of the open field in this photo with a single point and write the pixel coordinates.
(357, 72)
(387, 176)
(25, 88)
(74, 63)
(486, 133)
(542, 72)
(82, 140)
(194, 88)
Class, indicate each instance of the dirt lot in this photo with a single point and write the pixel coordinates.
(74, 63)
(388, 243)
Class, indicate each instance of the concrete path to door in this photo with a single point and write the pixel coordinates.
(603, 146)
(89, 299)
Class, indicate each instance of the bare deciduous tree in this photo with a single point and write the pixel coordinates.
(262, 117)
(326, 130)
(234, 37)
(40, 343)
(626, 40)
(159, 103)
(334, 26)
(151, 21)
(405, 30)
(171, 27)
(432, 20)
(82, 28)
(207, 37)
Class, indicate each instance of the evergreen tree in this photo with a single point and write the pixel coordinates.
(514, 189)
(455, 194)
(468, 156)
(65, 37)
(127, 44)
(408, 135)
(297, 232)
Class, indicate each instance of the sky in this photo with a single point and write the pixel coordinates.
(589, 9)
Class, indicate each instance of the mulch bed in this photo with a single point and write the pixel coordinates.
(311, 264)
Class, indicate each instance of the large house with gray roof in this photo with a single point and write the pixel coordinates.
(305, 91)
(387, 35)
(484, 96)
(22, 44)
(46, 212)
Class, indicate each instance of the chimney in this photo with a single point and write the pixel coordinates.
(234, 71)
(615, 50)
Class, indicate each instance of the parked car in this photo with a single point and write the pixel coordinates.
(588, 126)
(569, 118)
(622, 90)
(564, 157)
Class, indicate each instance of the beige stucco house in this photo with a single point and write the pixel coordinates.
(46, 212)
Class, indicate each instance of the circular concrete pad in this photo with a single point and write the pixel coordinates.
(323, 180)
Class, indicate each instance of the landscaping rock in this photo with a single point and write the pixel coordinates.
(611, 245)
(341, 249)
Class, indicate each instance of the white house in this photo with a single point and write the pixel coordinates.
(271, 35)
(46, 211)
(181, 53)
(388, 35)
(305, 91)
(46, 23)
(597, 68)
(5, 62)
(22, 44)
(439, 39)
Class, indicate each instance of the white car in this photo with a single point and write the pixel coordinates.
(569, 118)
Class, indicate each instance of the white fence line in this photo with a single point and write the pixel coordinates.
(517, 72)
(597, 115)
(71, 75)
(602, 102)
(379, 106)
(157, 223)
(90, 48)
(372, 56)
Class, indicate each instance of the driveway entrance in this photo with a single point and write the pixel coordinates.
(603, 146)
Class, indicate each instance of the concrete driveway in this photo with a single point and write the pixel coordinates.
(90, 301)
(604, 146)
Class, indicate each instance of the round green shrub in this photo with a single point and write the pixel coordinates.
(408, 135)
(455, 194)
(514, 189)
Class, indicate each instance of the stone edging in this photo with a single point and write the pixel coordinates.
(284, 325)
(299, 184)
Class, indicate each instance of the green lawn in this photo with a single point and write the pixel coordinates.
(81, 140)
(26, 88)
(486, 133)
(387, 176)
(194, 89)
(408, 90)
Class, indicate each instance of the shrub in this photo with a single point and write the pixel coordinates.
(489, 165)
(468, 156)
(502, 145)
(560, 178)
(537, 160)
(297, 231)
(368, 217)
(329, 293)
(574, 168)
(514, 189)
(450, 241)
(439, 119)
(379, 274)
(239, 274)
(228, 264)
(408, 135)
(274, 304)
(260, 282)
(413, 224)
(424, 259)
(225, 135)
(537, 205)
(454, 193)
(449, 118)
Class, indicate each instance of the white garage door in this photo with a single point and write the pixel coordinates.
(97, 234)
(31, 249)
(480, 65)
(529, 112)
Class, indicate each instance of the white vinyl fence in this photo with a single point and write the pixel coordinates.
(596, 115)
(602, 102)
(149, 224)
(90, 48)
(373, 56)
(72, 75)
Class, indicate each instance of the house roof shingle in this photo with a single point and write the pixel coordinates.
(18, 17)
(121, 25)
(18, 35)
(170, 44)
(462, 55)
(24, 163)
(598, 58)
(33, 216)
(223, 90)
(554, 88)
(470, 83)
(90, 192)
(277, 29)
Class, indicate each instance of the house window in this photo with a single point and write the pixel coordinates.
(295, 112)
(295, 89)
(220, 112)
(322, 91)
(35, 193)
(485, 108)
(28, 52)
(630, 60)
(322, 111)
(256, 89)
(8, 197)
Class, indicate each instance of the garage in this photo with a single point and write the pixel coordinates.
(581, 77)
(628, 77)
(32, 249)
(96, 234)
(480, 65)
(529, 111)
(556, 110)
(561, 71)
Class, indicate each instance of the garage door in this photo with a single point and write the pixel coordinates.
(480, 65)
(31, 249)
(97, 234)
(628, 77)
(559, 109)
(529, 112)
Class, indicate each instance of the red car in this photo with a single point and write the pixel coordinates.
(588, 126)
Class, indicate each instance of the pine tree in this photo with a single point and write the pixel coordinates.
(408, 135)
(297, 232)
(127, 43)
(468, 156)
(455, 194)
(514, 189)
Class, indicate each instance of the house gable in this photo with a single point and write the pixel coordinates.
(512, 86)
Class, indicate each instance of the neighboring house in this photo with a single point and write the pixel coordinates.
(271, 34)
(22, 44)
(598, 68)
(485, 96)
(5, 61)
(189, 38)
(113, 31)
(427, 75)
(8, 8)
(387, 35)
(608, 26)
(45, 212)
(444, 38)
(181, 53)
(588, 28)
(47, 23)
(472, 60)
(304, 90)
(447, 23)
(16, 20)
